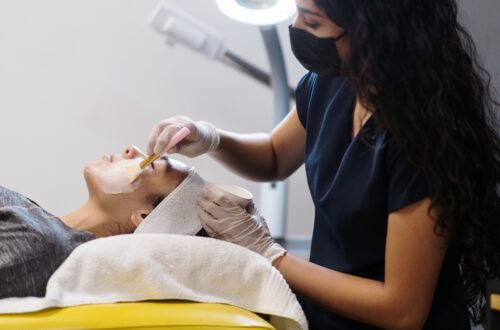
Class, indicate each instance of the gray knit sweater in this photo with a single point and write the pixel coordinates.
(33, 243)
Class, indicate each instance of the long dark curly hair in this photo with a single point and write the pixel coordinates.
(415, 68)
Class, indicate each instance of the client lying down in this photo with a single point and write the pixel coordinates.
(33, 242)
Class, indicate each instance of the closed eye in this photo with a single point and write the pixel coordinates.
(312, 25)
(167, 163)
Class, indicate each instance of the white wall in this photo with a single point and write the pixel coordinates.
(81, 78)
(481, 17)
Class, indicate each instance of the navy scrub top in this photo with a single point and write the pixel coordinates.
(355, 185)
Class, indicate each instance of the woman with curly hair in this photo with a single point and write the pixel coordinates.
(396, 126)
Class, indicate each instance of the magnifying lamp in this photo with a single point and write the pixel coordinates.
(258, 12)
(266, 14)
(180, 27)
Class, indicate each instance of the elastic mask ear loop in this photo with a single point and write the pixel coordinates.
(341, 35)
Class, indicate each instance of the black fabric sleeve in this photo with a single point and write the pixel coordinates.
(302, 96)
(407, 183)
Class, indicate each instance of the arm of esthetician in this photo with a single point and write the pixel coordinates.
(414, 254)
(413, 258)
(259, 157)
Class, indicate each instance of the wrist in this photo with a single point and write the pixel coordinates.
(214, 135)
(277, 263)
(274, 251)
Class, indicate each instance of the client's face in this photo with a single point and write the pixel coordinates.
(108, 182)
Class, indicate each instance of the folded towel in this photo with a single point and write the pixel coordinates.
(178, 212)
(162, 266)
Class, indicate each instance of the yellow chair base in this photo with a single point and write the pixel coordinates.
(139, 315)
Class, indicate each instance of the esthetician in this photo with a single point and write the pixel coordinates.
(395, 125)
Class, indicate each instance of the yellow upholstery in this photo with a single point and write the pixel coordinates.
(140, 315)
(495, 302)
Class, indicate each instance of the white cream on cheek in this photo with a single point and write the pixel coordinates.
(115, 177)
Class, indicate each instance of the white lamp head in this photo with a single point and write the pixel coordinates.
(179, 26)
(258, 12)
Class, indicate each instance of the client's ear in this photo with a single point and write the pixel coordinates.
(139, 215)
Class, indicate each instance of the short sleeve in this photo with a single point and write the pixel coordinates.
(302, 96)
(407, 183)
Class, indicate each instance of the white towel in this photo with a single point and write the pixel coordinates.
(161, 266)
(177, 213)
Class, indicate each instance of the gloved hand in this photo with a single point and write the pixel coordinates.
(224, 219)
(202, 139)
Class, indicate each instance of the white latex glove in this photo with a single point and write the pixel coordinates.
(224, 219)
(203, 138)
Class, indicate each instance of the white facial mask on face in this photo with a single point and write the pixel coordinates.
(178, 212)
(115, 177)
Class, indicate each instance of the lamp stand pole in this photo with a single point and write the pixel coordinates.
(181, 27)
(273, 204)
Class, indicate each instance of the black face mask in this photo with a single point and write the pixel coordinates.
(318, 55)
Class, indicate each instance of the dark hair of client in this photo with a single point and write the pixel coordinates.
(156, 200)
(415, 68)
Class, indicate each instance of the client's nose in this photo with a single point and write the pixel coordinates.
(132, 152)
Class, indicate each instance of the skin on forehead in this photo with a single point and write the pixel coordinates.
(309, 7)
